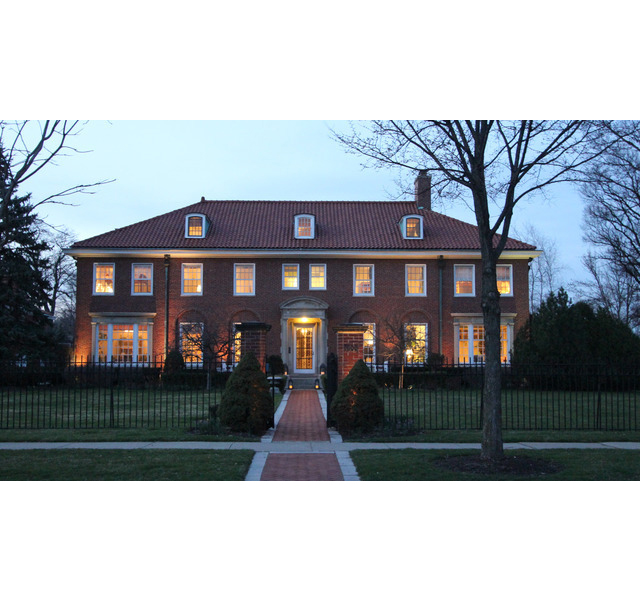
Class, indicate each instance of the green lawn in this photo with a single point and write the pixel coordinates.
(421, 409)
(117, 465)
(575, 465)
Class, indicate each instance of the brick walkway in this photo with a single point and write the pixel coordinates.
(302, 420)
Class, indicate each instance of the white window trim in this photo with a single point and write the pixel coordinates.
(470, 323)
(325, 276)
(186, 226)
(109, 324)
(373, 331)
(404, 226)
(424, 280)
(182, 292)
(297, 266)
(112, 293)
(313, 226)
(510, 280)
(133, 266)
(253, 269)
(473, 281)
(372, 293)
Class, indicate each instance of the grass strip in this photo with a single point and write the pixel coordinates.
(574, 465)
(131, 465)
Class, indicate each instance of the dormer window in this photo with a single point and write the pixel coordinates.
(305, 226)
(195, 225)
(412, 227)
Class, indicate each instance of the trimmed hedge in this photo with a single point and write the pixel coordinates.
(246, 403)
(356, 406)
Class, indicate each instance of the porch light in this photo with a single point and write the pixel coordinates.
(304, 320)
(286, 369)
(316, 384)
(290, 384)
(323, 370)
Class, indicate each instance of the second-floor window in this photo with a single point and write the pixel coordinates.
(244, 283)
(141, 279)
(416, 280)
(191, 279)
(464, 278)
(504, 274)
(363, 280)
(290, 280)
(103, 278)
(317, 277)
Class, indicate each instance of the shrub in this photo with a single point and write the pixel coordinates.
(246, 403)
(356, 405)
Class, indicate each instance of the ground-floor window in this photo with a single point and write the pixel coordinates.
(415, 343)
(236, 345)
(191, 335)
(470, 343)
(122, 343)
(369, 344)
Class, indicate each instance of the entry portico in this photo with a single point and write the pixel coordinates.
(303, 330)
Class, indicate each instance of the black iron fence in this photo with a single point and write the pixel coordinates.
(552, 397)
(110, 395)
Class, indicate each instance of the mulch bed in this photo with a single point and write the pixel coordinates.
(520, 466)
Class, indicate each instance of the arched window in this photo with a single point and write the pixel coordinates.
(195, 226)
(412, 227)
(305, 226)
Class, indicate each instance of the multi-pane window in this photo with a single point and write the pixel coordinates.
(504, 279)
(122, 343)
(195, 225)
(413, 228)
(304, 227)
(191, 279)
(236, 347)
(103, 276)
(369, 344)
(244, 279)
(363, 280)
(290, 277)
(471, 343)
(416, 282)
(464, 277)
(142, 279)
(415, 343)
(191, 335)
(317, 277)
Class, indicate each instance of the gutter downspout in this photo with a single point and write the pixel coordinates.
(440, 272)
(167, 259)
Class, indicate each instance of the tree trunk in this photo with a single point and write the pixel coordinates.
(492, 416)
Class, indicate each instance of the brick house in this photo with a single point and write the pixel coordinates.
(298, 279)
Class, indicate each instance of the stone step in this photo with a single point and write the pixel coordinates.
(305, 382)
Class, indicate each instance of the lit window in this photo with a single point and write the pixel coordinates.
(504, 280)
(413, 227)
(122, 343)
(103, 276)
(191, 279)
(195, 225)
(244, 282)
(363, 280)
(471, 343)
(191, 335)
(464, 277)
(369, 344)
(236, 346)
(290, 277)
(415, 349)
(416, 283)
(304, 226)
(142, 279)
(317, 277)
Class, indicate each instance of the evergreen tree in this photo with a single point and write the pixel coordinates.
(24, 326)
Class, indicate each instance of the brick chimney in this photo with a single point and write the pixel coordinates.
(423, 190)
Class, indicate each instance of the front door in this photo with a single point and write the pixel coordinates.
(304, 349)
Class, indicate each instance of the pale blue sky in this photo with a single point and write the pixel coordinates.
(159, 166)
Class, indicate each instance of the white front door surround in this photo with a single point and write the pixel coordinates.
(303, 334)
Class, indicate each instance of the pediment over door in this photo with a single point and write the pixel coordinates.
(304, 306)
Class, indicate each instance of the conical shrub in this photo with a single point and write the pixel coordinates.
(246, 403)
(356, 406)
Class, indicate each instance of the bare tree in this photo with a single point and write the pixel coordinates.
(496, 164)
(61, 270)
(612, 288)
(545, 271)
(612, 195)
(28, 148)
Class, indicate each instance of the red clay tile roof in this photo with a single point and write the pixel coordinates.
(267, 225)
